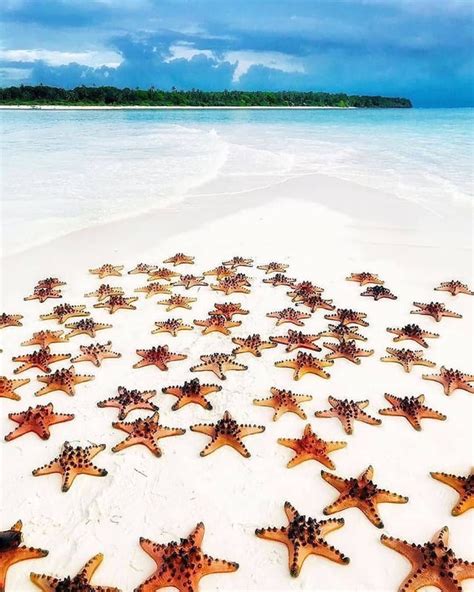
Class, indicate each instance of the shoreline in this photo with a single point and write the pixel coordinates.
(165, 108)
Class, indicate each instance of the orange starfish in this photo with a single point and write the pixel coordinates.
(347, 350)
(452, 380)
(412, 332)
(37, 420)
(465, 488)
(347, 316)
(162, 274)
(62, 380)
(115, 303)
(379, 292)
(304, 536)
(273, 267)
(412, 409)
(71, 462)
(12, 551)
(252, 344)
(9, 320)
(104, 291)
(304, 290)
(41, 358)
(158, 356)
(95, 353)
(217, 323)
(306, 363)
(289, 315)
(63, 312)
(310, 447)
(107, 270)
(146, 432)
(297, 340)
(347, 412)
(364, 278)
(43, 293)
(279, 279)
(407, 358)
(220, 272)
(360, 492)
(85, 326)
(315, 302)
(154, 288)
(343, 332)
(226, 432)
(454, 287)
(181, 565)
(143, 268)
(192, 391)
(238, 283)
(437, 310)
(171, 326)
(45, 338)
(238, 262)
(129, 400)
(432, 564)
(180, 259)
(228, 310)
(79, 583)
(8, 387)
(283, 401)
(177, 301)
(190, 281)
(218, 363)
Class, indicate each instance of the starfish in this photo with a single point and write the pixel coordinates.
(283, 401)
(437, 310)
(107, 270)
(452, 380)
(95, 353)
(360, 492)
(412, 332)
(62, 380)
(303, 290)
(71, 462)
(10, 320)
(365, 278)
(273, 267)
(464, 486)
(252, 344)
(347, 412)
(220, 272)
(191, 281)
(304, 536)
(343, 332)
(145, 431)
(226, 432)
(347, 350)
(192, 391)
(379, 292)
(37, 420)
(85, 326)
(12, 551)
(45, 338)
(42, 294)
(80, 583)
(280, 279)
(41, 358)
(181, 565)
(238, 283)
(306, 363)
(63, 312)
(162, 273)
(180, 259)
(143, 268)
(217, 323)
(228, 310)
(171, 326)
(289, 315)
(153, 289)
(104, 291)
(315, 302)
(412, 409)
(115, 303)
(218, 363)
(50, 282)
(347, 316)
(128, 400)
(432, 564)
(158, 356)
(407, 358)
(8, 387)
(310, 447)
(454, 287)
(238, 262)
(177, 301)
(297, 340)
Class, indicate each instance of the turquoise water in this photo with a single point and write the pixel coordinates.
(63, 170)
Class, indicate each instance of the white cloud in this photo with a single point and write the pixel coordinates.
(60, 58)
(271, 59)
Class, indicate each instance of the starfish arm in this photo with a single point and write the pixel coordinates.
(289, 443)
(52, 467)
(302, 457)
(17, 432)
(213, 445)
(208, 430)
(412, 552)
(463, 570)
(336, 482)
(325, 413)
(278, 535)
(325, 550)
(331, 446)
(432, 414)
(91, 566)
(44, 583)
(167, 432)
(251, 430)
(341, 503)
(383, 496)
(212, 565)
(365, 418)
(466, 502)
(457, 483)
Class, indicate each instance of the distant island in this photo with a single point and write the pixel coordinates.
(109, 96)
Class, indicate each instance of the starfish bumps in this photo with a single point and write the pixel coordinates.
(310, 447)
(465, 488)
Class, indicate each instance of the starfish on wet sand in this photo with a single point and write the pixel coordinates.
(107, 270)
(96, 353)
(227, 432)
(283, 401)
(452, 380)
(71, 462)
(454, 287)
(37, 420)
(64, 312)
(305, 363)
(146, 432)
(143, 268)
(412, 408)
(273, 267)
(360, 492)
(347, 350)
(79, 583)
(253, 344)
(153, 289)
(289, 315)
(181, 565)
(279, 279)
(64, 380)
(191, 391)
(303, 290)
(128, 400)
(158, 356)
(407, 358)
(237, 283)
(315, 302)
(297, 340)
(347, 412)
(45, 338)
(163, 273)
(228, 310)
(218, 363)
(238, 262)
(85, 327)
(180, 259)
(412, 332)
(378, 293)
(465, 488)
(104, 291)
(437, 310)
(347, 316)
(432, 564)
(171, 326)
(43, 293)
(189, 281)
(13, 551)
(177, 301)
(220, 272)
(10, 320)
(310, 447)
(343, 332)
(9, 386)
(217, 323)
(364, 278)
(304, 536)
(115, 303)
(41, 359)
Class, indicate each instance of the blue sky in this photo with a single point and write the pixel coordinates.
(421, 49)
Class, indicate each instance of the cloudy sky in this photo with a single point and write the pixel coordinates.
(421, 49)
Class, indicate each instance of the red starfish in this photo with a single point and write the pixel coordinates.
(9, 320)
(107, 270)
(117, 302)
(273, 267)
(217, 323)
(158, 356)
(41, 358)
(407, 358)
(104, 291)
(347, 350)
(306, 363)
(280, 279)
(364, 278)
(283, 401)
(347, 412)
(315, 302)
(347, 316)
(85, 326)
(177, 301)
(192, 391)
(37, 420)
(218, 363)
(465, 488)
(129, 400)
(289, 315)
(95, 353)
(43, 293)
(238, 262)
(180, 259)
(153, 289)
(412, 332)
(8, 387)
(411, 408)
(45, 338)
(452, 380)
(171, 326)
(310, 447)
(252, 344)
(191, 281)
(238, 283)
(228, 310)
(303, 290)
(379, 292)
(297, 340)
(220, 272)
(437, 310)
(63, 312)
(62, 380)
(143, 268)
(343, 332)
(454, 287)
(162, 274)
